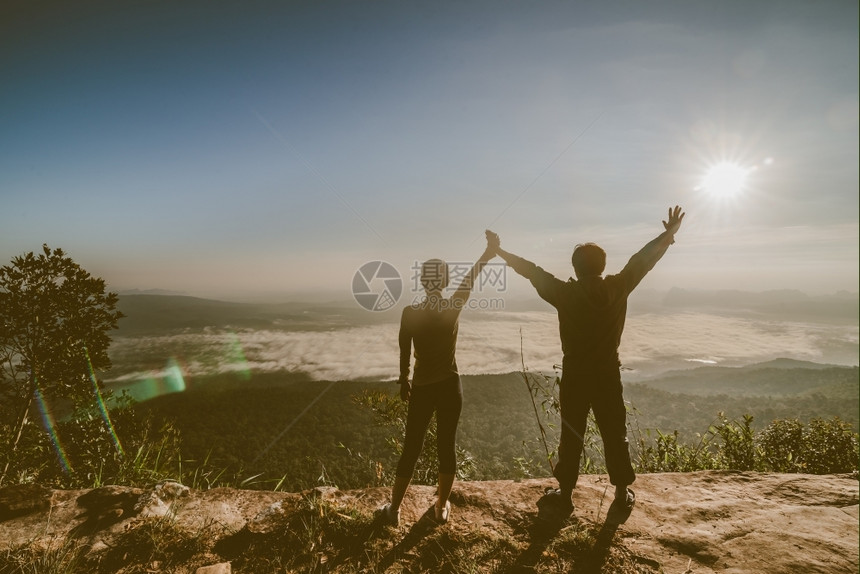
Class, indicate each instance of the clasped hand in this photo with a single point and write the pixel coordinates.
(493, 243)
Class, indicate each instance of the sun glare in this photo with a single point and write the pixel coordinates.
(725, 179)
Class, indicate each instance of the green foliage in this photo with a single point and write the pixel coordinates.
(690, 414)
(828, 446)
(226, 424)
(667, 454)
(785, 445)
(543, 393)
(593, 460)
(728, 444)
(239, 431)
(737, 449)
(142, 450)
(118, 447)
(55, 319)
(389, 412)
(780, 444)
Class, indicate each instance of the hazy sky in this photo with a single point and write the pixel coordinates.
(215, 147)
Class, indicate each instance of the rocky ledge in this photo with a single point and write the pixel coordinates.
(701, 522)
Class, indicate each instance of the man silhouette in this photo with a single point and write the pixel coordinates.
(591, 313)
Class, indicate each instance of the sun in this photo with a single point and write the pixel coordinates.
(725, 180)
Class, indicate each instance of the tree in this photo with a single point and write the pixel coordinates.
(55, 319)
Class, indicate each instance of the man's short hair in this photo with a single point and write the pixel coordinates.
(588, 259)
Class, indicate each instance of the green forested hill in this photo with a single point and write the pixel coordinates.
(312, 430)
(779, 378)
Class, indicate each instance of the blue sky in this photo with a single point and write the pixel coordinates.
(258, 147)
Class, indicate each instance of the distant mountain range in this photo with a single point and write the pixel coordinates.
(157, 311)
(786, 304)
(147, 314)
(150, 292)
(779, 377)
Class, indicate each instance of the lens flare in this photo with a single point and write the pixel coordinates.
(145, 389)
(51, 429)
(101, 405)
(156, 383)
(173, 381)
(236, 358)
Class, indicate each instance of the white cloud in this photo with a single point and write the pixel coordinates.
(489, 343)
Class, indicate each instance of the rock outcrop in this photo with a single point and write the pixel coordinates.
(703, 522)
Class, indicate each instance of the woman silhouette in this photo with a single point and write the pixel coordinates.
(431, 326)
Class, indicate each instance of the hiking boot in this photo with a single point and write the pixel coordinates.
(553, 506)
(388, 516)
(620, 509)
(442, 513)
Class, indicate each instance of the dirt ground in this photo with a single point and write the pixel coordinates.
(694, 523)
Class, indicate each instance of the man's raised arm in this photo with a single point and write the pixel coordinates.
(645, 259)
(522, 266)
(546, 284)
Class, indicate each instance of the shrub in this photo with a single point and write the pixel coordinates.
(390, 412)
(821, 447)
(829, 447)
(781, 444)
(93, 447)
(668, 455)
(737, 451)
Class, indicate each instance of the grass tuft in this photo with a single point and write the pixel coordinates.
(55, 557)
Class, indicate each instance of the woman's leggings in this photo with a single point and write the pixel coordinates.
(445, 398)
